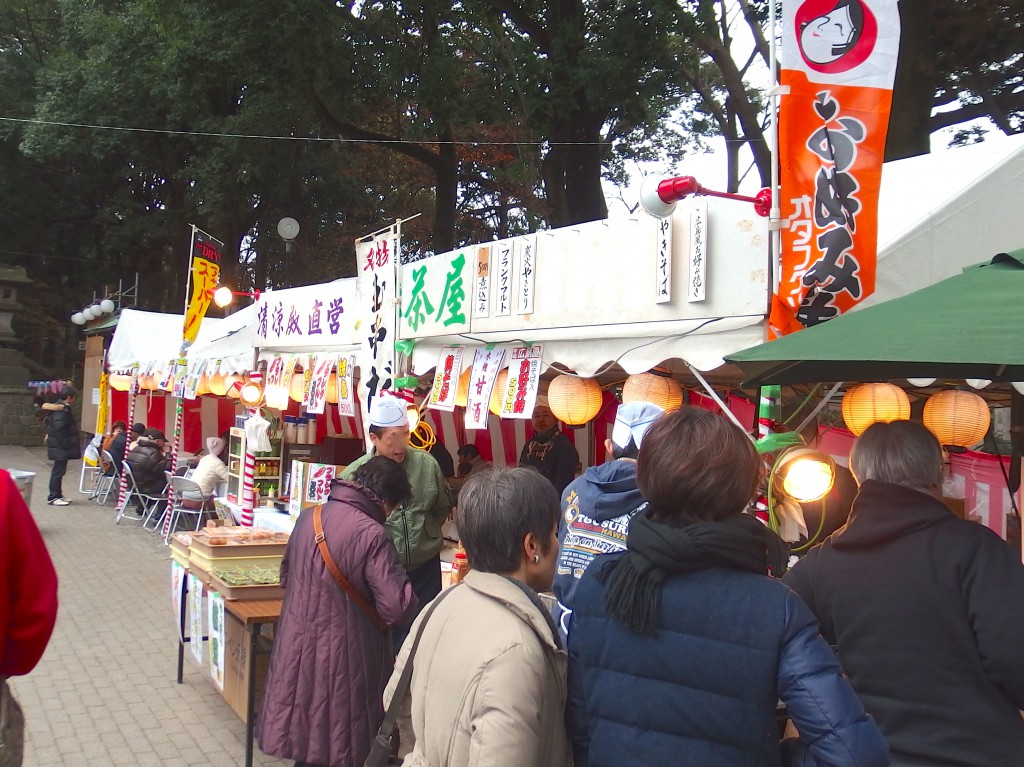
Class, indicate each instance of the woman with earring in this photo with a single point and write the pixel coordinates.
(488, 679)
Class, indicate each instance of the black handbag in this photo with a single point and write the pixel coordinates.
(384, 748)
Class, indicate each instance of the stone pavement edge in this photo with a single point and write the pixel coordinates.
(105, 693)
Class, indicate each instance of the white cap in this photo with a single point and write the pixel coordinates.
(632, 420)
(386, 411)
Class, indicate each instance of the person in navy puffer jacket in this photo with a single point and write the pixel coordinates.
(681, 647)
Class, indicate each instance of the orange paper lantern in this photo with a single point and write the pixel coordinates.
(218, 384)
(497, 393)
(659, 390)
(119, 381)
(865, 404)
(462, 393)
(957, 418)
(574, 400)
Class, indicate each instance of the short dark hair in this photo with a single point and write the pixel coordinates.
(468, 451)
(497, 509)
(155, 434)
(901, 452)
(386, 479)
(68, 391)
(694, 466)
(138, 428)
(118, 425)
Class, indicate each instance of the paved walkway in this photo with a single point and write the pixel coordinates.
(105, 692)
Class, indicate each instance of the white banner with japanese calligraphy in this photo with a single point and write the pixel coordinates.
(376, 289)
(322, 367)
(487, 363)
(501, 277)
(526, 266)
(697, 278)
(446, 379)
(346, 375)
(663, 263)
(520, 393)
(316, 317)
(434, 295)
(318, 482)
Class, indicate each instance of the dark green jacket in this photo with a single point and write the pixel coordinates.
(416, 527)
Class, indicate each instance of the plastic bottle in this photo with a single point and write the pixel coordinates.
(460, 565)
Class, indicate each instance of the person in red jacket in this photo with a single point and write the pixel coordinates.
(28, 585)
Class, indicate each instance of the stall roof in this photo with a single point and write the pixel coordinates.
(967, 326)
(153, 337)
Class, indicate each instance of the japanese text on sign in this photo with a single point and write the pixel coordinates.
(482, 284)
(377, 280)
(446, 379)
(663, 263)
(520, 394)
(487, 363)
(503, 279)
(527, 247)
(204, 275)
(318, 482)
(696, 284)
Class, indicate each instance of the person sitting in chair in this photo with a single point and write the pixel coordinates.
(148, 462)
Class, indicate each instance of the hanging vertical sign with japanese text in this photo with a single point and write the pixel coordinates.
(204, 274)
(526, 259)
(322, 367)
(346, 373)
(482, 283)
(697, 278)
(434, 295)
(487, 363)
(501, 258)
(520, 394)
(446, 379)
(663, 262)
(838, 63)
(377, 261)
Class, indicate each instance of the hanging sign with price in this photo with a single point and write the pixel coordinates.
(318, 482)
(322, 367)
(346, 371)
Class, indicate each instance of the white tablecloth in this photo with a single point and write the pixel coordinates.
(268, 519)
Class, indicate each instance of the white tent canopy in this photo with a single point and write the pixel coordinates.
(153, 338)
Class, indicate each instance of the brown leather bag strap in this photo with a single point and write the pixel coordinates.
(355, 596)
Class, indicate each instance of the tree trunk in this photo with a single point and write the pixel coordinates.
(914, 90)
(446, 170)
(572, 171)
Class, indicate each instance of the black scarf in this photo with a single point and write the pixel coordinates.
(655, 551)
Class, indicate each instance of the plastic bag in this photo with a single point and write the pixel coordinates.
(91, 456)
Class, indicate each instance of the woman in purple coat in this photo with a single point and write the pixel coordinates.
(331, 659)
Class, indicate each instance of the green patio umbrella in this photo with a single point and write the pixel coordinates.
(968, 326)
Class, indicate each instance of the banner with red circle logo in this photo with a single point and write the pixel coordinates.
(838, 63)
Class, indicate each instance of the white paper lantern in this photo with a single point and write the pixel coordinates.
(107, 306)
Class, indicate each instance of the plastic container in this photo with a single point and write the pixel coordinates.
(302, 431)
(460, 566)
(290, 429)
(23, 481)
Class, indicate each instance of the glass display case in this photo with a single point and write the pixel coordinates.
(267, 470)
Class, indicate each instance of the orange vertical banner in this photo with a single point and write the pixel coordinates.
(838, 63)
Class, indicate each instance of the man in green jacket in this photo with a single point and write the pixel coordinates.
(416, 526)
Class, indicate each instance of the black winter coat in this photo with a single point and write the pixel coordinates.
(703, 691)
(63, 441)
(148, 463)
(927, 611)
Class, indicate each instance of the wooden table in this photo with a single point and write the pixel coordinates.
(254, 615)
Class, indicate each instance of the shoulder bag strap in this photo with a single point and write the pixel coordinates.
(355, 596)
(387, 727)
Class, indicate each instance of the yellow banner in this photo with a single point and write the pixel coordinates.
(203, 278)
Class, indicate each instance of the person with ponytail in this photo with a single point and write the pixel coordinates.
(681, 647)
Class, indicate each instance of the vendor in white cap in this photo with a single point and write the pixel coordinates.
(415, 527)
(549, 451)
(597, 507)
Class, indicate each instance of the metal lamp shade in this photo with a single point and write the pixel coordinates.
(869, 403)
(574, 400)
(957, 418)
(664, 392)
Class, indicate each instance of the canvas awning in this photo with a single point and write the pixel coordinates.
(967, 326)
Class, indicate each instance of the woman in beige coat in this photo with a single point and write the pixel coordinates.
(488, 681)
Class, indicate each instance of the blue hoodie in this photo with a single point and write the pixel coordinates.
(596, 509)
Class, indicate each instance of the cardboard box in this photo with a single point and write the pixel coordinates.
(236, 666)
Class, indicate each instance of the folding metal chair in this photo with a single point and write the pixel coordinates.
(105, 483)
(187, 493)
(150, 501)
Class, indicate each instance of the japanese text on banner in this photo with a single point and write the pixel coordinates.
(838, 61)
(346, 373)
(318, 482)
(377, 259)
(520, 394)
(204, 274)
(446, 379)
(487, 363)
(322, 368)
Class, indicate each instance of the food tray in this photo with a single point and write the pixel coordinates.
(181, 557)
(238, 549)
(228, 563)
(235, 593)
